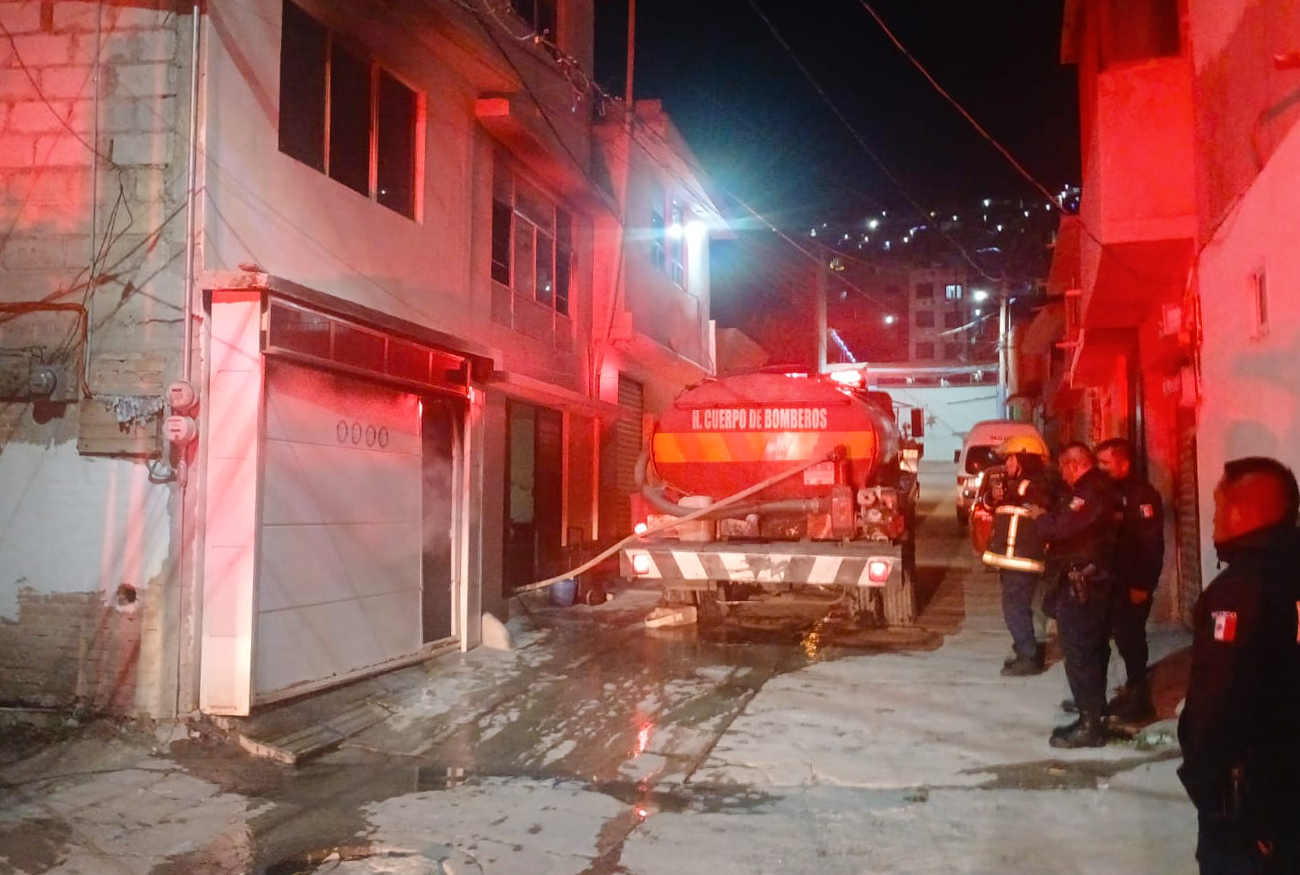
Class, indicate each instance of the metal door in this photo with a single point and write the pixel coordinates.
(339, 569)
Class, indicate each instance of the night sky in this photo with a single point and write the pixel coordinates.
(765, 135)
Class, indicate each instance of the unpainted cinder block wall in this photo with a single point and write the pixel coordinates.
(94, 115)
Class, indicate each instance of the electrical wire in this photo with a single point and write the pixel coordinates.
(921, 211)
(1136, 273)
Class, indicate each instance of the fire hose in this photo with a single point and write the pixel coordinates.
(833, 455)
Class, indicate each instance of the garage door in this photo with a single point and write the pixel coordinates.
(339, 571)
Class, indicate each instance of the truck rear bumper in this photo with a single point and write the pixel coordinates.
(873, 564)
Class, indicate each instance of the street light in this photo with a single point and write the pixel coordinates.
(979, 295)
(890, 320)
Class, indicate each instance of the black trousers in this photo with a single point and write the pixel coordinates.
(1129, 629)
(1083, 618)
(1234, 848)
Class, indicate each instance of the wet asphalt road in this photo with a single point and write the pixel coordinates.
(592, 745)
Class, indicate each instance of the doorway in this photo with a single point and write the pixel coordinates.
(440, 423)
(534, 494)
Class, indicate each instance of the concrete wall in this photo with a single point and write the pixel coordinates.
(93, 147)
(954, 409)
(92, 111)
(1250, 202)
(1251, 381)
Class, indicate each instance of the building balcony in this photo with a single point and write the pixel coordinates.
(1137, 228)
(1139, 191)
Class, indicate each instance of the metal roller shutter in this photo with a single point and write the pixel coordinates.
(627, 447)
(1187, 522)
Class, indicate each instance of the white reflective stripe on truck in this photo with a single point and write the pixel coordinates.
(766, 567)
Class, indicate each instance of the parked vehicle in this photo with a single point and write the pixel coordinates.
(814, 498)
(978, 453)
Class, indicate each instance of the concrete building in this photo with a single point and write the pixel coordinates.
(1175, 334)
(942, 302)
(309, 336)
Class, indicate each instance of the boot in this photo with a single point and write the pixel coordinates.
(1040, 656)
(1087, 731)
(1068, 706)
(1021, 667)
(1136, 706)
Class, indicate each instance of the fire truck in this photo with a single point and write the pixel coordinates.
(770, 486)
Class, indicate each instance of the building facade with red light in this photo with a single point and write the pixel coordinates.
(405, 265)
(1174, 331)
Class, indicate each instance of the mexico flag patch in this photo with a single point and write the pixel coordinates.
(1225, 626)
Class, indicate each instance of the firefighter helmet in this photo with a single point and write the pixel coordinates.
(1023, 443)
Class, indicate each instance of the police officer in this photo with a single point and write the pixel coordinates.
(1240, 726)
(1139, 557)
(1024, 484)
(1081, 535)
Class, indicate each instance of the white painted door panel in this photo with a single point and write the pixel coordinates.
(340, 552)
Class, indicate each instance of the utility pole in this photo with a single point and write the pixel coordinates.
(631, 49)
(1004, 337)
(821, 310)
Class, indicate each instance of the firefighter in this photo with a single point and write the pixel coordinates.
(1081, 535)
(1139, 557)
(1240, 727)
(1024, 484)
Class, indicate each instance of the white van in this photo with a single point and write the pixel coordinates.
(979, 451)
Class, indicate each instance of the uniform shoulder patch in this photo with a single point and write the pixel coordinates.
(1225, 625)
(1076, 504)
(1148, 511)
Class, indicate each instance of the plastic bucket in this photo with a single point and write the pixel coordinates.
(563, 593)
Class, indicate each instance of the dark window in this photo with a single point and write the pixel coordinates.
(925, 350)
(980, 457)
(563, 260)
(532, 245)
(408, 361)
(657, 229)
(303, 53)
(395, 163)
(501, 214)
(924, 318)
(925, 290)
(953, 319)
(358, 347)
(369, 143)
(349, 152)
(300, 331)
(545, 268)
(1138, 30)
(952, 350)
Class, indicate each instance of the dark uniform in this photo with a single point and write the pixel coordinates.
(1138, 560)
(1018, 586)
(1081, 535)
(1240, 727)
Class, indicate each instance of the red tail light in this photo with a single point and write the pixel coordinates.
(641, 563)
(878, 570)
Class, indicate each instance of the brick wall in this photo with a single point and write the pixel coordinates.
(71, 647)
(93, 146)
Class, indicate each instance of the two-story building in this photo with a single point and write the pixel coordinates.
(314, 335)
